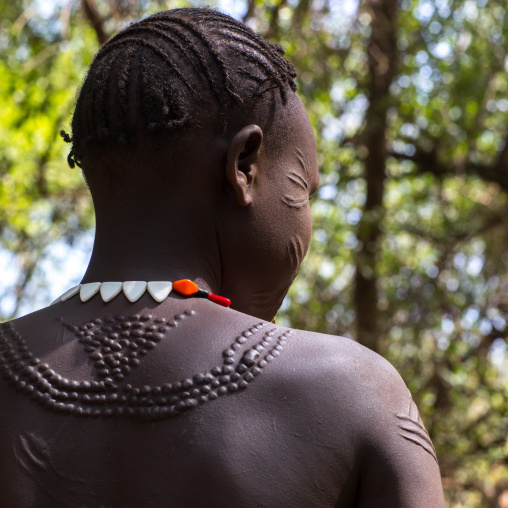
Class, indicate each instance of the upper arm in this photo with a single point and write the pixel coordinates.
(398, 462)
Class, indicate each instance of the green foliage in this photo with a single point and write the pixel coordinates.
(441, 260)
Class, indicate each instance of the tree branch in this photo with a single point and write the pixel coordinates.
(273, 28)
(428, 162)
(95, 20)
(452, 238)
(250, 10)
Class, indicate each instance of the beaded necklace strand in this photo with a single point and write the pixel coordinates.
(135, 289)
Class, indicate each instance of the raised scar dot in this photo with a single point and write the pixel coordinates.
(249, 358)
(57, 393)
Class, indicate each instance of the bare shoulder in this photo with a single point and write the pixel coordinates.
(339, 384)
(339, 362)
(363, 403)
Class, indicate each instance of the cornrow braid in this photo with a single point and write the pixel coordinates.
(276, 51)
(144, 78)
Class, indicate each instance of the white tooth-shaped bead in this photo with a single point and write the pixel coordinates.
(134, 289)
(68, 294)
(109, 290)
(56, 301)
(159, 289)
(88, 290)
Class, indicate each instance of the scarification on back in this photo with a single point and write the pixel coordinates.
(116, 346)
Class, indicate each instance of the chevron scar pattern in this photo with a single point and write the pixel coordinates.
(116, 346)
(411, 428)
(33, 454)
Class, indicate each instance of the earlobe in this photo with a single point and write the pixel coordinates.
(242, 160)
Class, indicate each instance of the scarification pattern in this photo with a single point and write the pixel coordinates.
(116, 346)
(299, 200)
(411, 428)
(33, 454)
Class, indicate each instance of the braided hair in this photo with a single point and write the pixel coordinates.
(144, 78)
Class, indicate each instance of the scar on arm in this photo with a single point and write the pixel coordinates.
(412, 429)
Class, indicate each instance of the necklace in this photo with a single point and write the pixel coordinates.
(135, 289)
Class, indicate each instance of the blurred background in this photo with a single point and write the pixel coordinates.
(409, 101)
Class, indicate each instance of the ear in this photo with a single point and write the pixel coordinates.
(241, 163)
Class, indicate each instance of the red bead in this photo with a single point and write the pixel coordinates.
(225, 302)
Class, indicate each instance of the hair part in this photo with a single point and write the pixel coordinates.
(149, 77)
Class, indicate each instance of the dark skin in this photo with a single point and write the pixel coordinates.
(326, 423)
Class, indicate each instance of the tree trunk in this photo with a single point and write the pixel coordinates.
(382, 57)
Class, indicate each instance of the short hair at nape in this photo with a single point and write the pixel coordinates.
(142, 80)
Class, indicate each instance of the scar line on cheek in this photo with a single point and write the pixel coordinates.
(292, 202)
(298, 180)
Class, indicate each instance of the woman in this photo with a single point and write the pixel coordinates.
(140, 387)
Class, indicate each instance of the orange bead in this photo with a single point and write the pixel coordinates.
(185, 287)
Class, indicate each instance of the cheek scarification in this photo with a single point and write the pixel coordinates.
(296, 253)
(298, 197)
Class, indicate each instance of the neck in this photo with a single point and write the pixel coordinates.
(154, 254)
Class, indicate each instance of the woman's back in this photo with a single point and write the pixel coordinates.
(180, 405)
(200, 159)
(218, 409)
